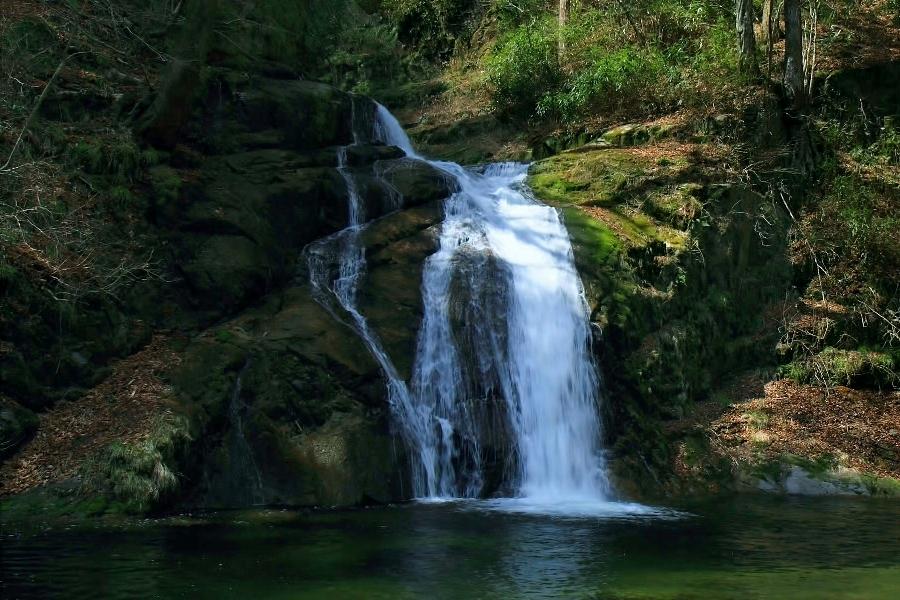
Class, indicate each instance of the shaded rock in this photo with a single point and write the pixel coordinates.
(366, 154)
(417, 182)
(227, 269)
(312, 412)
(309, 114)
(162, 123)
(390, 296)
(276, 160)
(876, 86)
(238, 234)
(17, 425)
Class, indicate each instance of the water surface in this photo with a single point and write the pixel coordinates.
(740, 548)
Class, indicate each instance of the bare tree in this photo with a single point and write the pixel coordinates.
(793, 53)
(810, 44)
(744, 20)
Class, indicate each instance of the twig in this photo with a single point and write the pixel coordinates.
(5, 168)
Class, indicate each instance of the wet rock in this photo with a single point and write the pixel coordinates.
(417, 181)
(366, 154)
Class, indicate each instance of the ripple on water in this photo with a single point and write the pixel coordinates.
(568, 508)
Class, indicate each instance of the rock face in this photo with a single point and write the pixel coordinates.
(286, 404)
(679, 268)
(266, 184)
(313, 422)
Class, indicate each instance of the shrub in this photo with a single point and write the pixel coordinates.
(119, 159)
(138, 474)
(626, 77)
(523, 69)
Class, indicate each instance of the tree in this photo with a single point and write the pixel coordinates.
(769, 31)
(793, 53)
(744, 20)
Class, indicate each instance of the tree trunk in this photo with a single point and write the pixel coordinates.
(769, 32)
(746, 37)
(793, 53)
(563, 19)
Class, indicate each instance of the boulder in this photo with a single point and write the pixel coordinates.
(417, 181)
(366, 154)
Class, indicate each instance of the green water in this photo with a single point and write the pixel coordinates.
(741, 548)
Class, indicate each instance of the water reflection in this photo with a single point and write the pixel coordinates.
(743, 548)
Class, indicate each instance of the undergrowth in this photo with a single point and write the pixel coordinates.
(139, 475)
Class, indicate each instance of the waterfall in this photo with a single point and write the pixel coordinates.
(503, 352)
(244, 466)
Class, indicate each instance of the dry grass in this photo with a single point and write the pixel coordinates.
(859, 428)
(123, 408)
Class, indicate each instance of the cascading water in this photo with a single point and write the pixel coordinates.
(244, 467)
(503, 353)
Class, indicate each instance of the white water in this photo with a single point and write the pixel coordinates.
(503, 355)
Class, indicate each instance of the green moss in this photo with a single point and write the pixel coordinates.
(597, 241)
(832, 366)
(48, 503)
(758, 419)
(678, 206)
(587, 177)
(881, 486)
(610, 179)
(225, 336)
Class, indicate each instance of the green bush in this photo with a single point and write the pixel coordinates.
(523, 69)
(885, 150)
(139, 474)
(715, 53)
(625, 78)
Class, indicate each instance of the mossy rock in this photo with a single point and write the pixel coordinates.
(169, 110)
(676, 276)
(627, 135)
(227, 269)
(822, 476)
